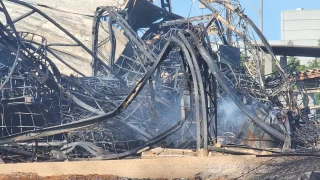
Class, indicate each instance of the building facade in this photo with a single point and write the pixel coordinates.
(302, 27)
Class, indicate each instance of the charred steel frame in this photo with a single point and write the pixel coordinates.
(197, 56)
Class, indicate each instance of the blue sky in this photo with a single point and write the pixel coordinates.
(272, 12)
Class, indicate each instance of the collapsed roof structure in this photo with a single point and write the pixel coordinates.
(154, 79)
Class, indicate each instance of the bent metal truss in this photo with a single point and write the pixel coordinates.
(161, 86)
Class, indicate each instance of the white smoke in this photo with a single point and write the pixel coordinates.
(230, 117)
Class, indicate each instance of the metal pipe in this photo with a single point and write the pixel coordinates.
(228, 18)
(21, 17)
(261, 16)
(48, 131)
(223, 83)
(201, 92)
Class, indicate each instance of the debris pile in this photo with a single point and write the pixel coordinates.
(158, 80)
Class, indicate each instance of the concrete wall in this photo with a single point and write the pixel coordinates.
(81, 6)
(302, 27)
(77, 24)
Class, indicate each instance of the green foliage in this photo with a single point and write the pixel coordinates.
(296, 64)
(317, 96)
(242, 57)
(314, 64)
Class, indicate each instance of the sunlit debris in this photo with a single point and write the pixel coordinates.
(158, 80)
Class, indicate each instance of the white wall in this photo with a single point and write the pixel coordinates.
(302, 27)
(77, 24)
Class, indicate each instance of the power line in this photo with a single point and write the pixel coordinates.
(260, 12)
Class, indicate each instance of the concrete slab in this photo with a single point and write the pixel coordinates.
(186, 167)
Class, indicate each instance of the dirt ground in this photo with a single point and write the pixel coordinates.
(278, 168)
(217, 167)
(286, 168)
(33, 176)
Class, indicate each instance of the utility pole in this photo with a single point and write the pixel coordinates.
(228, 18)
(261, 15)
(260, 12)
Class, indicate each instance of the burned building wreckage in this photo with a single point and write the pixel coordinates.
(156, 80)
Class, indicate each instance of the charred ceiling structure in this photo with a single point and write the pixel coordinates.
(172, 84)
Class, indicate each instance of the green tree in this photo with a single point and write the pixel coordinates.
(314, 64)
(296, 65)
(295, 62)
